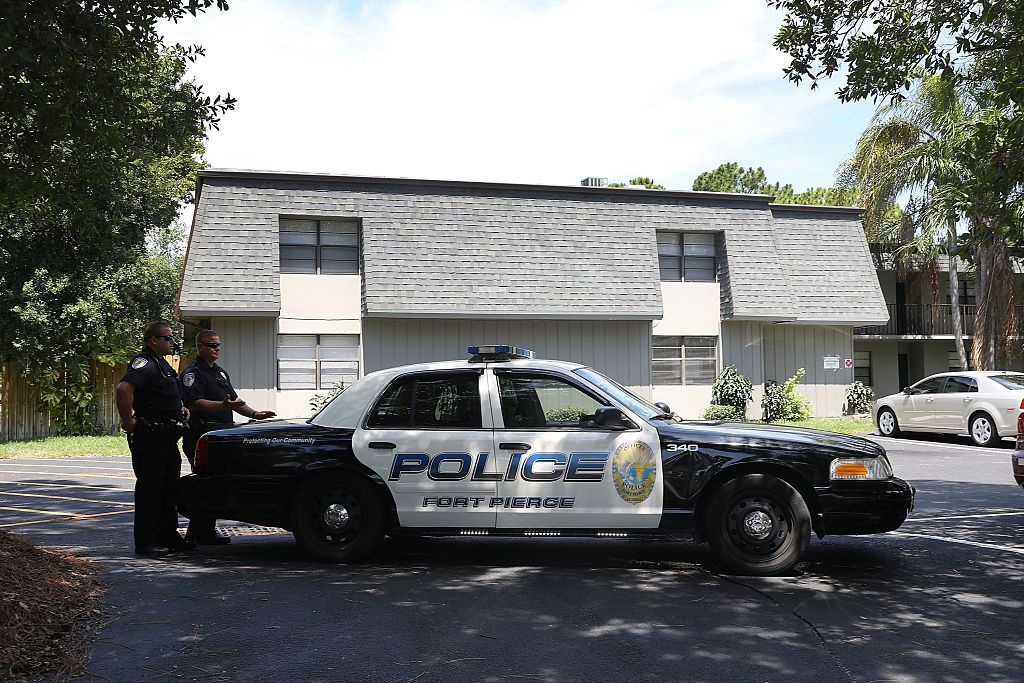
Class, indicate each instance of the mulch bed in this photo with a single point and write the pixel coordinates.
(50, 611)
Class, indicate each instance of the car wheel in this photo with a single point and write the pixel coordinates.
(887, 423)
(758, 525)
(982, 430)
(337, 518)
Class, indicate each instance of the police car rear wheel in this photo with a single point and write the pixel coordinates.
(337, 518)
(758, 525)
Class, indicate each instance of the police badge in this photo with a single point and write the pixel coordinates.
(634, 472)
(139, 363)
(188, 379)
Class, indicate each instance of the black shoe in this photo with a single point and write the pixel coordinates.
(150, 550)
(210, 539)
(180, 545)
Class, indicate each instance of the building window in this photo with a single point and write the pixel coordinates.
(684, 360)
(967, 295)
(687, 256)
(316, 361)
(954, 361)
(319, 246)
(862, 367)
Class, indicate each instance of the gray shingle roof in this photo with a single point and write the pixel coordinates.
(440, 248)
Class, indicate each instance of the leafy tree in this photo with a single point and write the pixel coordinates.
(731, 177)
(732, 388)
(101, 136)
(640, 180)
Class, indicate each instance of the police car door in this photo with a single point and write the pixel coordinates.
(561, 469)
(429, 436)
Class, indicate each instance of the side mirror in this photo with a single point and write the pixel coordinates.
(906, 390)
(663, 407)
(613, 419)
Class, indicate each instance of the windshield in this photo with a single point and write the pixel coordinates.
(620, 393)
(1011, 382)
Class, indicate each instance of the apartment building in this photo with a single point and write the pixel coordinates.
(316, 279)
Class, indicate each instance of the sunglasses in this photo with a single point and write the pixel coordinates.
(212, 346)
(165, 337)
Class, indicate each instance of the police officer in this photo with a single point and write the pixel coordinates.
(149, 402)
(207, 391)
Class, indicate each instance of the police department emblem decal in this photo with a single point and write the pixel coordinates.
(188, 379)
(634, 472)
(139, 363)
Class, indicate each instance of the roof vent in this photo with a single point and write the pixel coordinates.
(594, 182)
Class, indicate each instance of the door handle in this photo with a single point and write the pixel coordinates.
(383, 445)
(968, 400)
(506, 446)
(929, 400)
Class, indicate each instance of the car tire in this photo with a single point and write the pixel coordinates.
(758, 525)
(337, 518)
(982, 430)
(888, 425)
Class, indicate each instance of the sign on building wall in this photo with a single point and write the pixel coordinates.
(831, 362)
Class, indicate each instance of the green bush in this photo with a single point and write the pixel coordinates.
(723, 413)
(320, 400)
(564, 415)
(795, 406)
(859, 398)
(772, 402)
(733, 389)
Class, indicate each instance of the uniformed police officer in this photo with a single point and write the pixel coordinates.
(149, 402)
(207, 391)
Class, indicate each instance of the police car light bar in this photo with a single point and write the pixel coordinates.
(498, 352)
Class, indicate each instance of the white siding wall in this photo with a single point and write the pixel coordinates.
(620, 349)
(248, 355)
(743, 346)
(789, 347)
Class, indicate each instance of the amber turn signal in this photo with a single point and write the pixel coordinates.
(852, 469)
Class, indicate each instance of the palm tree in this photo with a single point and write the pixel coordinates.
(908, 151)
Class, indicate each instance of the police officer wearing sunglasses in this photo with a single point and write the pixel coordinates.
(149, 402)
(207, 391)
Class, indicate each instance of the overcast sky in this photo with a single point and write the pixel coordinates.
(544, 92)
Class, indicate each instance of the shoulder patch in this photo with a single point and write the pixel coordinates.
(139, 363)
(223, 374)
(188, 379)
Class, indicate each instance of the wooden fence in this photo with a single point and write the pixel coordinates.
(20, 417)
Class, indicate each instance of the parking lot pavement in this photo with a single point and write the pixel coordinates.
(938, 600)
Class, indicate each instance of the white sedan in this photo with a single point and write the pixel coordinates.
(983, 405)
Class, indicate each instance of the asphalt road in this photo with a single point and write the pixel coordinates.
(939, 600)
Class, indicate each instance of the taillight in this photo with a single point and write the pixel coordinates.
(1022, 404)
(201, 456)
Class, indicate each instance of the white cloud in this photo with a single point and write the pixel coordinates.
(543, 92)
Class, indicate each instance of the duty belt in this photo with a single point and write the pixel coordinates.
(163, 427)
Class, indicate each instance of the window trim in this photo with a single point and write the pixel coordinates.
(316, 358)
(318, 266)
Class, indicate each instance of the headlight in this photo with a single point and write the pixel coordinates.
(859, 468)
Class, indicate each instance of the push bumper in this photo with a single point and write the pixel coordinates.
(865, 507)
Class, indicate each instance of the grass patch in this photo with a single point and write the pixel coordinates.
(64, 447)
(843, 425)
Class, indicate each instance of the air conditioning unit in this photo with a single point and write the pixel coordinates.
(594, 182)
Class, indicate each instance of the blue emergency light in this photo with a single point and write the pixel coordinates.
(498, 352)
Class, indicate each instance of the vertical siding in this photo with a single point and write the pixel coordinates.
(620, 349)
(249, 356)
(790, 347)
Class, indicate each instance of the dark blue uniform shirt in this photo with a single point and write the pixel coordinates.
(157, 394)
(211, 383)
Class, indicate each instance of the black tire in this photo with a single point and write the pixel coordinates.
(338, 518)
(775, 505)
(982, 430)
(894, 431)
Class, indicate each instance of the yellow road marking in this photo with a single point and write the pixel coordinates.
(43, 495)
(65, 486)
(72, 518)
(66, 467)
(94, 476)
(41, 512)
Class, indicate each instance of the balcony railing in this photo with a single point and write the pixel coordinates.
(923, 320)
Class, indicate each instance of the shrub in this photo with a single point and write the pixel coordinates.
(859, 398)
(773, 401)
(565, 415)
(724, 413)
(795, 406)
(320, 400)
(733, 389)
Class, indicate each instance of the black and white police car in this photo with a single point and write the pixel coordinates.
(504, 444)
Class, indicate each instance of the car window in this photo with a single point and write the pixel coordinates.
(960, 385)
(542, 401)
(928, 386)
(448, 400)
(1011, 382)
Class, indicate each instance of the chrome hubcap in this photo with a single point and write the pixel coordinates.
(335, 516)
(758, 525)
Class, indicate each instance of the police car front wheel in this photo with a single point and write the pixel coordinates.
(337, 518)
(758, 525)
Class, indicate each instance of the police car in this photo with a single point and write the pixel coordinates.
(504, 444)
